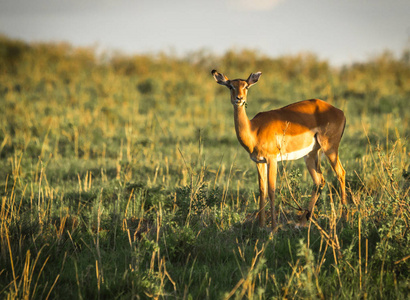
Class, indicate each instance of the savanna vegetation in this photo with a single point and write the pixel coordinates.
(121, 177)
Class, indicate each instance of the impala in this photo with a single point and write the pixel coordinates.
(298, 130)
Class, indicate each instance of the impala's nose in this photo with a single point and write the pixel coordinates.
(239, 98)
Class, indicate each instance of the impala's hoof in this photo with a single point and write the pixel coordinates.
(304, 218)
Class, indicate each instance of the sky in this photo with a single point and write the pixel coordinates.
(340, 31)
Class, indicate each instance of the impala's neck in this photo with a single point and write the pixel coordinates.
(243, 128)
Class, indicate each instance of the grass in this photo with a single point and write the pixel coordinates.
(121, 177)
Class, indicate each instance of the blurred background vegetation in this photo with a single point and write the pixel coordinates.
(137, 155)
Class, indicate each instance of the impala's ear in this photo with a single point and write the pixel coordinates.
(253, 78)
(220, 78)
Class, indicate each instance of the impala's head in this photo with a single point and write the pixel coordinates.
(239, 87)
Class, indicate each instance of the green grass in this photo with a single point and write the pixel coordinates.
(122, 178)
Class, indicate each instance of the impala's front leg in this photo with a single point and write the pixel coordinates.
(272, 171)
(262, 177)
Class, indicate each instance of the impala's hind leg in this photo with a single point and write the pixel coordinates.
(334, 160)
(313, 165)
(330, 147)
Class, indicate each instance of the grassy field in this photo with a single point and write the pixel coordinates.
(121, 177)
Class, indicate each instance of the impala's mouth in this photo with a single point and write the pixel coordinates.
(240, 102)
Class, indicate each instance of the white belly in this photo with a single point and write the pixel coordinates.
(283, 155)
(296, 154)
